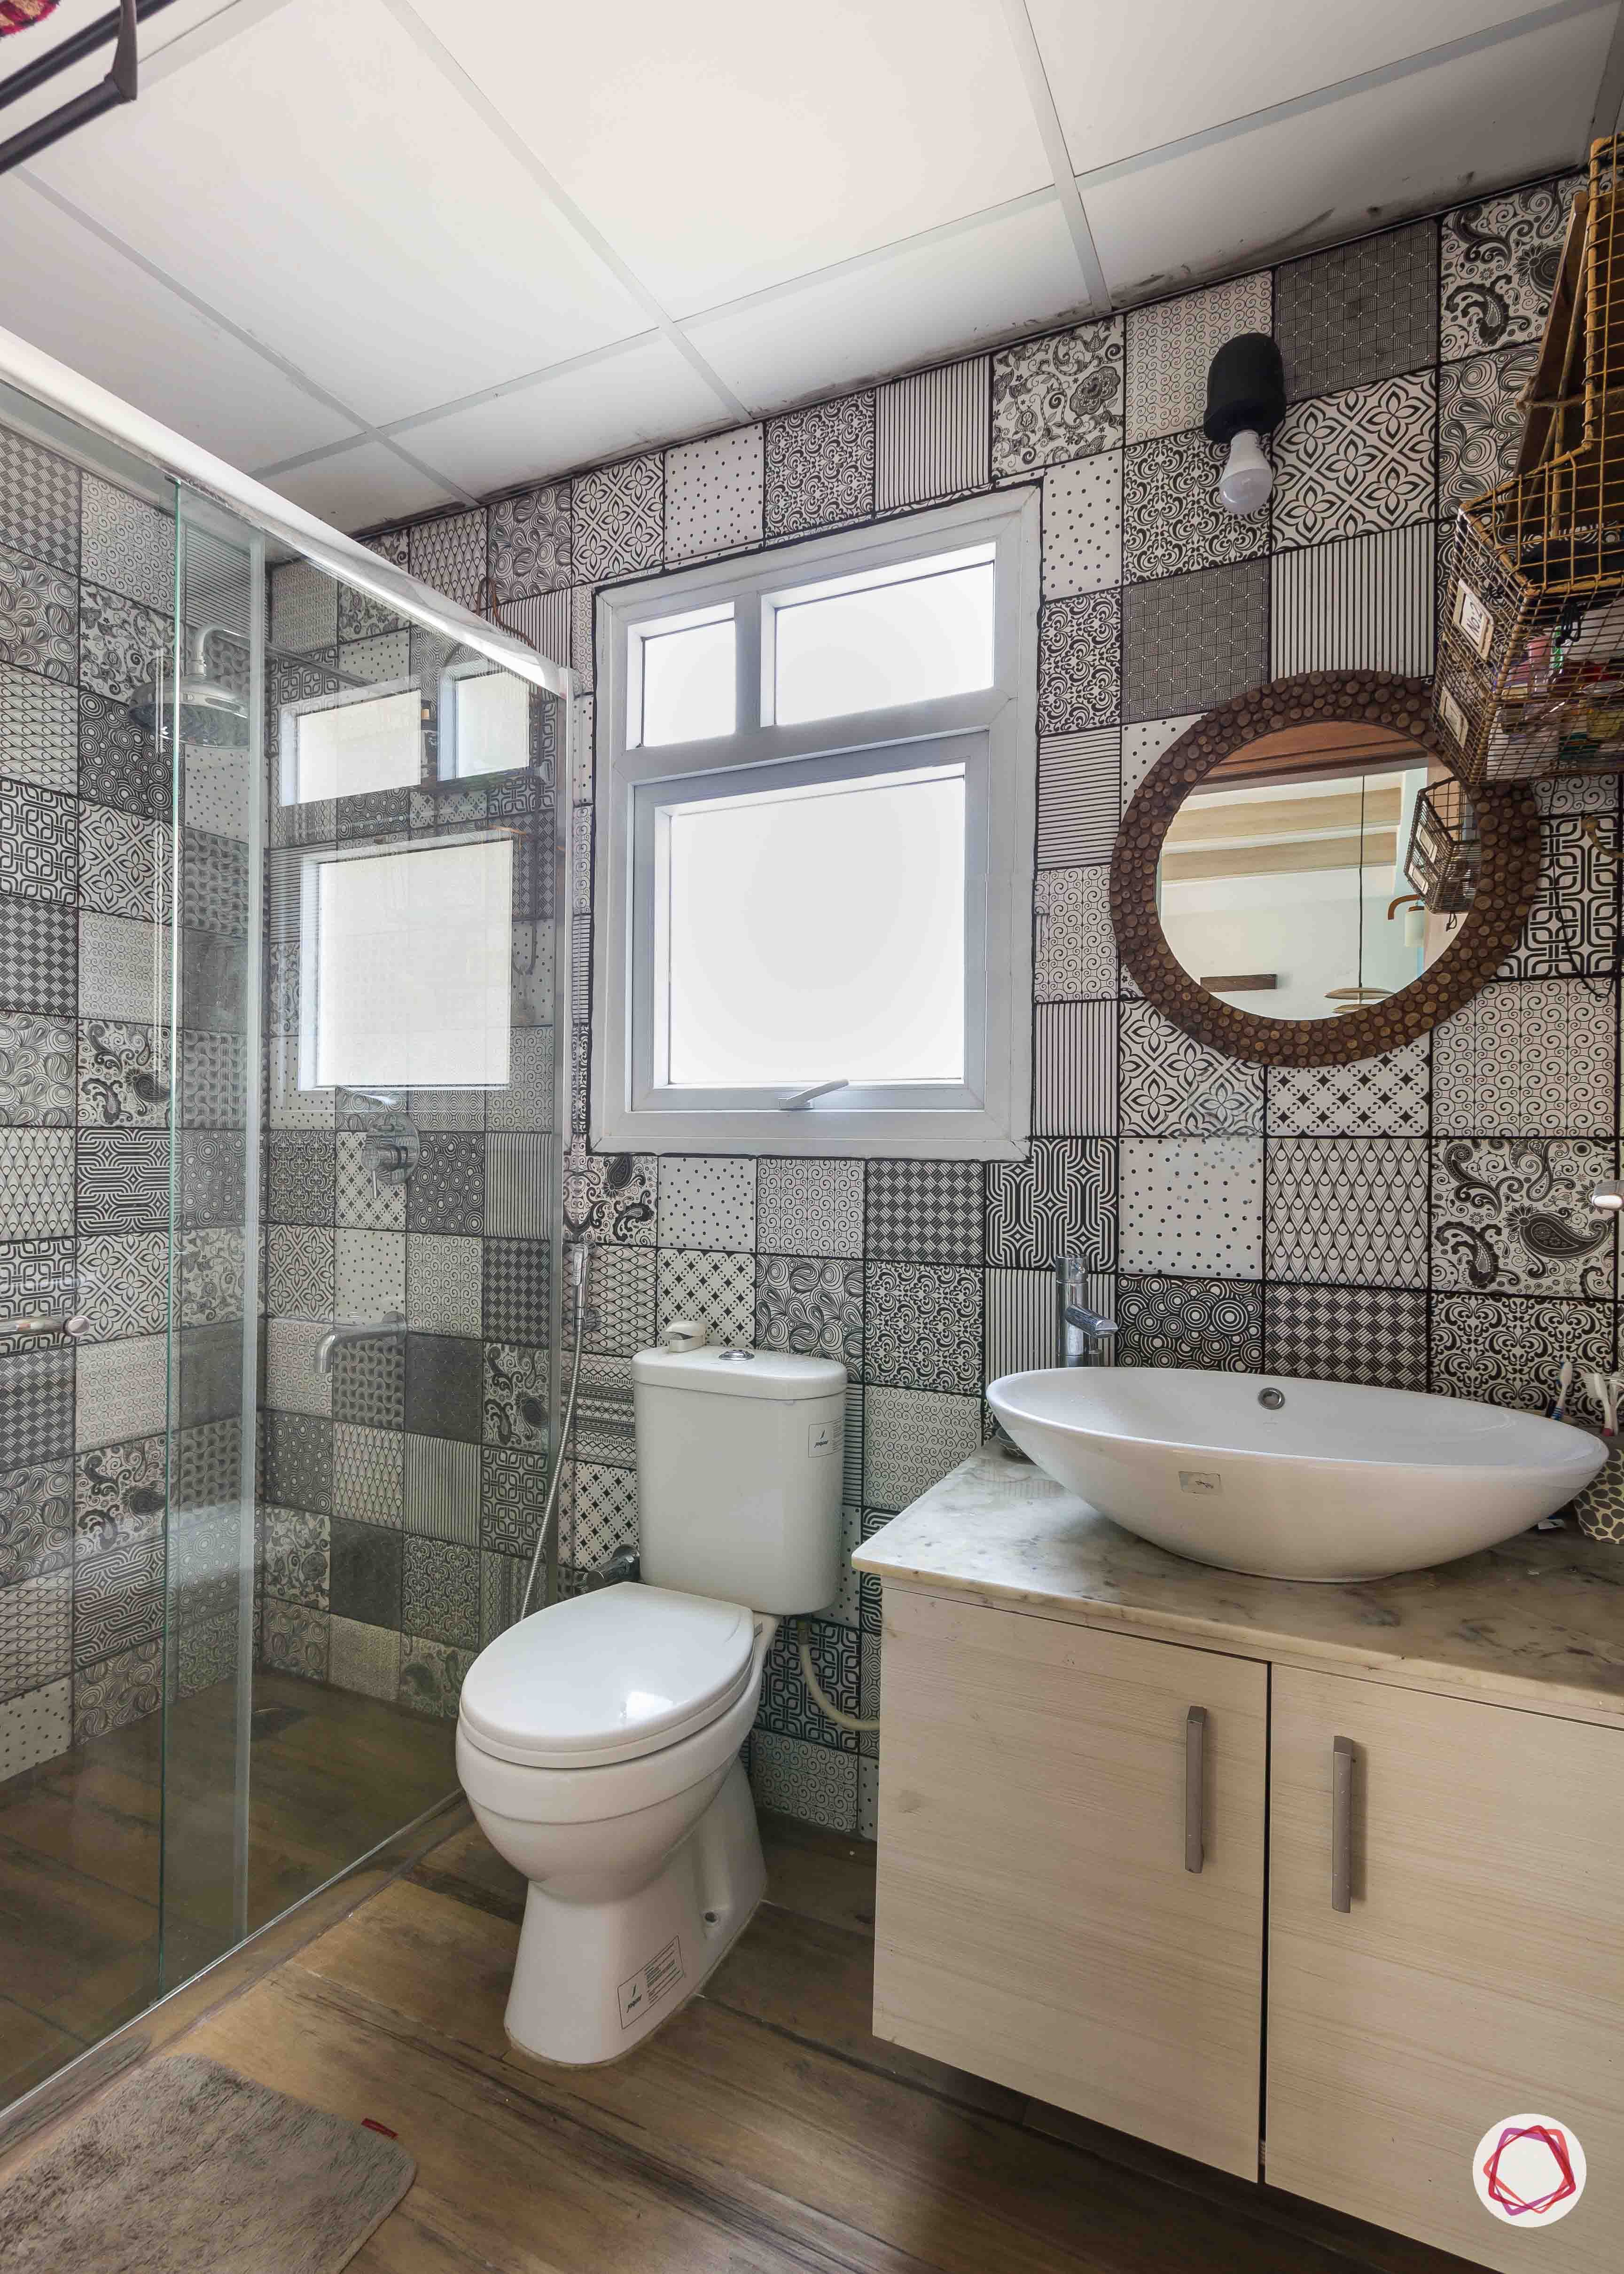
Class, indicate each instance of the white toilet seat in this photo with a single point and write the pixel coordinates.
(607, 1677)
(528, 1793)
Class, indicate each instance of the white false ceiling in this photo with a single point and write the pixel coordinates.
(390, 253)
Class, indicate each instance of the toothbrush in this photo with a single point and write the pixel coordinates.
(1600, 1391)
(1564, 1383)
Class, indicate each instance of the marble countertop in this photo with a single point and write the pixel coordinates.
(1539, 1621)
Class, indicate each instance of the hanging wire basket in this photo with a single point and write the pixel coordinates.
(1530, 667)
(1446, 851)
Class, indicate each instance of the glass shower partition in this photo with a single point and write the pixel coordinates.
(281, 1128)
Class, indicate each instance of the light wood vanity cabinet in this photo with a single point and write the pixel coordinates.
(1478, 1972)
(1036, 1920)
(1037, 1924)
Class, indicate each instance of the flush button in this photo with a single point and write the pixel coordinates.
(734, 1357)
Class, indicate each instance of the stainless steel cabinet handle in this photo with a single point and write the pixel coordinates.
(45, 1322)
(1195, 1787)
(1341, 1824)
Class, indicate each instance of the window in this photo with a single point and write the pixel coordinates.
(405, 966)
(814, 843)
(484, 720)
(349, 743)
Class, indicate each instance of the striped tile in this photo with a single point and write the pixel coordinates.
(1363, 604)
(1074, 1073)
(932, 434)
(545, 621)
(1079, 797)
(441, 1495)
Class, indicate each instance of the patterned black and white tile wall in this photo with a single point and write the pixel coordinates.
(1417, 1220)
(399, 1495)
(102, 1545)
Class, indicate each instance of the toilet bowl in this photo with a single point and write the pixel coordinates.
(598, 1742)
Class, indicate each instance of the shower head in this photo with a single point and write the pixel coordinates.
(209, 711)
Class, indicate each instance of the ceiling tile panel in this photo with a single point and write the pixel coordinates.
(724, 148)
(318, 181)
(68, 292)
(1008, 274)
(1413, 145)
(617, 402)
(1172, 69)
(355, 487)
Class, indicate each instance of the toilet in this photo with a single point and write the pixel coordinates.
(597, 1740)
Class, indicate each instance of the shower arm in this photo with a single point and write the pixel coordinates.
(200, 637)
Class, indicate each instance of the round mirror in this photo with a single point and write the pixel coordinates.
(1302, 879)
(1316, 870)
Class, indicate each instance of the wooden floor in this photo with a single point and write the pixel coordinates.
(761, 2131)
(83, 1838)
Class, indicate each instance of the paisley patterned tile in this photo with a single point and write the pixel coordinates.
(819, 465)
(1499, 267)
(1058, 397)
(1514, 1215)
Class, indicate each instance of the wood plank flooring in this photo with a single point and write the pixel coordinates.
(762, 2130)
(82, 1836)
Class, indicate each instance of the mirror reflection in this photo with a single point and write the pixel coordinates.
(1318, 869)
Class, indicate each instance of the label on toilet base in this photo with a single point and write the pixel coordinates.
(650, 1984)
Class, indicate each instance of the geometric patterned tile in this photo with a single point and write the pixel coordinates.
(912, 1439)
(38, 957)
(38, 500)
(39, 617)
(440, 1489)
(619, 518)
(1173, 1087)
(1573, 923)
(1536, 1057)
(449, 554)
(128, 544)
(36, 1184)
(1498, 267)
(1172, 343)
(713, 493)
(39, 730)
(123, 1284)
(1060, 1200)
(34, 1621)
(1193, 1204)
(1082, 525)
(1515, 1217)
(1375, 1335)
(813, 1782)
(809, 1208)
(1386, 1097)
(39, 850)
(1060, 396)
(716, 1290)
(600, 1512)
(440, 1591)
(1347, 1211)
(117, 860)
(1358, 311)
(924, 1211)
(1348, 463)
(923, 1327)
(367, 1474)
(1215, 1324)
(1189, 642)
(787, 1707)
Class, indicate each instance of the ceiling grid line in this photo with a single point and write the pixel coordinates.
(365, 432)
(473, 95)
(1046, 118)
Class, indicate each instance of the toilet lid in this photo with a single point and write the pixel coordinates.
(607, 1676)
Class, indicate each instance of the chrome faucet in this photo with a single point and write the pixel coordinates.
(1082, 1336)
(357, 1331)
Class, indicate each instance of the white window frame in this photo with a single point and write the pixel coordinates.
(992, 730)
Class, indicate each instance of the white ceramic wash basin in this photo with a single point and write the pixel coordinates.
(1334, 1482)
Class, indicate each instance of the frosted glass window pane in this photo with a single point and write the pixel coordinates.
(372, 743)
(818, 934)
(492, 727)
(899, 641)
(687, 684)
(411, 967)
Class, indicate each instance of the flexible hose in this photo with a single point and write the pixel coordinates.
(825, 1706)
(577, 1266)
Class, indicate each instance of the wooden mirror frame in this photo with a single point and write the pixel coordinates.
(1509, 826)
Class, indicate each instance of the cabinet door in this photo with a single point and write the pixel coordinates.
(1477, 1973)
(1037, 1921)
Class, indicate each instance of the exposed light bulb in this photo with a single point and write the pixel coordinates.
(1610, 1196)
(1247, 477)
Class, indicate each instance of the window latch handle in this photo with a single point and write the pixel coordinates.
(803, 1098)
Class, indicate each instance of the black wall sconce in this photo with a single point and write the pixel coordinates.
(1245, 400)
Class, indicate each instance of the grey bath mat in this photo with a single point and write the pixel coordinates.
(185, 2168)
